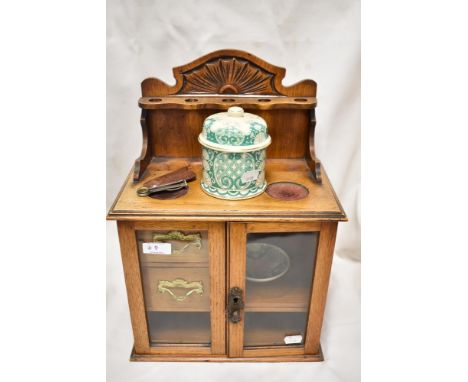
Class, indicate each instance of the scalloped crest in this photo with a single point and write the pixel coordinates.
(228, 75)
(228, 71)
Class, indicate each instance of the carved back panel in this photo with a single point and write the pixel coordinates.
(172, 130)
(228, 72)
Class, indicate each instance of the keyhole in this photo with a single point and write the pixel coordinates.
(236, 300)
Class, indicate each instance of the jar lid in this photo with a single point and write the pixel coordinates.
(235, 131)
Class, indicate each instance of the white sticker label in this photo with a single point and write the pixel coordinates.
(157, 248)
(250, 176)
(297, 339)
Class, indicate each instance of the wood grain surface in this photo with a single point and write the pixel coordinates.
(320, 204)
(222, 103)
(320, 286)
(131, 266)
(173, 116)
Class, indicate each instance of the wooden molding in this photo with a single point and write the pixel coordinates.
(222, 103)
(221, 358)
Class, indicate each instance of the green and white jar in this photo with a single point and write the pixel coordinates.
(234, 145)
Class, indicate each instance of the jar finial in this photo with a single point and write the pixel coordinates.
(235, 111)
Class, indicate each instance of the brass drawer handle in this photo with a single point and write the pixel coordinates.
(193, 286)
(194, 239)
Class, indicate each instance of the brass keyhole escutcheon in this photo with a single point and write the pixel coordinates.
(235, 304)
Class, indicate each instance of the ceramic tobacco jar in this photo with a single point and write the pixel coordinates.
(234, 145)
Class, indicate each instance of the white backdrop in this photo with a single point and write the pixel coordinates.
(317, 39)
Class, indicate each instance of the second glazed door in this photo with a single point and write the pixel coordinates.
(271, 274)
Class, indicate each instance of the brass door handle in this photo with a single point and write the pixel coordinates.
(193, 287)
(235, 304)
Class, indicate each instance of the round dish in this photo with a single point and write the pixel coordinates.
(265, 262)
(287, 191)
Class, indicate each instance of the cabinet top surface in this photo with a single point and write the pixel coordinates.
(320, 204)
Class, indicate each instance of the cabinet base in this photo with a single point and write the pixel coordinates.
(222, 358)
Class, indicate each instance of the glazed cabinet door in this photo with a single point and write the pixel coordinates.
(175, 275)
(278, 278)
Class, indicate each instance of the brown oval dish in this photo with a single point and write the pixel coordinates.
(287, 191)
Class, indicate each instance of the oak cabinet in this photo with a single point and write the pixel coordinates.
(227, 280)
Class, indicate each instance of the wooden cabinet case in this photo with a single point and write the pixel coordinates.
(211, 293)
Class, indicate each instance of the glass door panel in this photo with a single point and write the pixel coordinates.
(278, 280)
(175, 274)
(274, 328)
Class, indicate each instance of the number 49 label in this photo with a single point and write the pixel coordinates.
(157, 248)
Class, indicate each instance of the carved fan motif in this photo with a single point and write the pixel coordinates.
(228, 76)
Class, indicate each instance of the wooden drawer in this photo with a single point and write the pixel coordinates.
(178, 287)
(194, 250)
